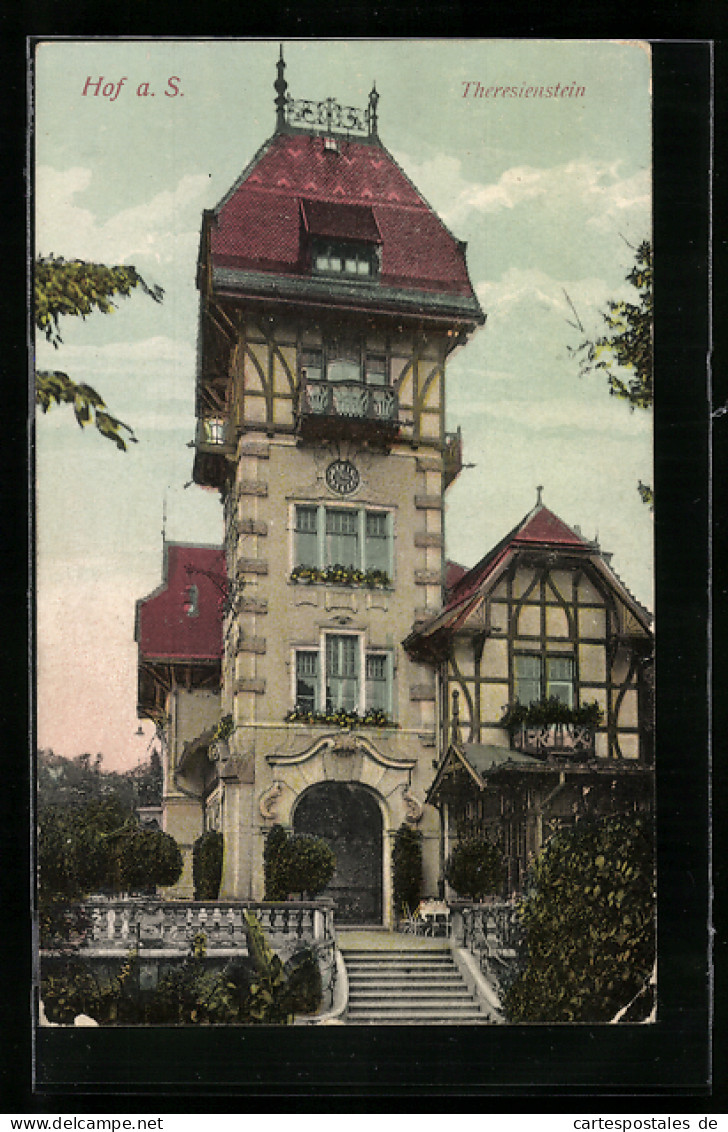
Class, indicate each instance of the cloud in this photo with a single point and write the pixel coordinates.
(599, 187)
(161, 230)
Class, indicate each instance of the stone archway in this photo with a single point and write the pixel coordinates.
(348, 817)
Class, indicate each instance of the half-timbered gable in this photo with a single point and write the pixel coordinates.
(544, 667)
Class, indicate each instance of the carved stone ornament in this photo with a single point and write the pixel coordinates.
(415, 808)
(269, 801)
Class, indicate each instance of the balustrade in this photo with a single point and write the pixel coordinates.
(119, 924)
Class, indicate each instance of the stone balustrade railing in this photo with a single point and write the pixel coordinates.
(123, 923)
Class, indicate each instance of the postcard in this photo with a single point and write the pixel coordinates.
(344, 509)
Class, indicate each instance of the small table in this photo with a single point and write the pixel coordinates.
(436, 918)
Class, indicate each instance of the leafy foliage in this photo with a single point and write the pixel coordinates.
(475, 868)
(373, 717)
(552, 710)
(628, 343)
(588, 919)
(338, 575)
(207, 865)
(407, 866)
(296, 863)
(73, 782)
(257, 988)
(77, 288)
(95, 847)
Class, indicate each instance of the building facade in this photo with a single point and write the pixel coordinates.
(544, 672)
(178, 630)
(331, 299)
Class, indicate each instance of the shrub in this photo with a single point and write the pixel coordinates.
(407, 866)
(588, 921)
(274, 875)
(207, 865)
(298, 863)
(475, 868)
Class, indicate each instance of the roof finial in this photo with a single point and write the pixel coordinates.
(372, 111)
(280, 86)
(539, 501)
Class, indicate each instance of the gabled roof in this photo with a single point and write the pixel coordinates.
(485, 763)
(539, 529)
(295, 186)
(176, 624)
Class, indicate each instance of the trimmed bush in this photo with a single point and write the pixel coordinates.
(207, 865)
(296, 864)
(475, 868)
(407, 867)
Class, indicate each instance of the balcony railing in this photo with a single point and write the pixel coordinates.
(572, 739)
(172, 925)
(347, 403)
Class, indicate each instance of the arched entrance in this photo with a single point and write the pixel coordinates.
(349, 819)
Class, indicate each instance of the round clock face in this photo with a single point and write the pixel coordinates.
(342, 477)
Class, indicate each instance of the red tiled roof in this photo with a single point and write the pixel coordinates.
(539, 527)
(165, 630)
(258, 225)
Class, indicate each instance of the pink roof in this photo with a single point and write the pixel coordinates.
(174, 622)
(258, 226)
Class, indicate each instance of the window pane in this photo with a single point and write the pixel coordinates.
(377, 549)
(560, 679)
(342, 538)
(306, 537)
(311, 365)
(307, 680)
(342, 684)
(528, 679)
(378, 683)
(376, 369)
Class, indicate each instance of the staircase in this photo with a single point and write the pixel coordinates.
(403, 981)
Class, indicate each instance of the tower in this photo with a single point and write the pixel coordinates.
(331, 298)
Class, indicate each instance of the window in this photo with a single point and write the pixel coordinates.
(307, 679)
(342, 538)
(307, 552)
(560, 679)
(191, 603)
(329, 679)
(342, 676)
(342, 360)
(343, 258)
(538, 678)
(378, 683)
(358, 539)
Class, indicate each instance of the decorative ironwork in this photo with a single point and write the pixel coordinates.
(347, 399)
(555, 739)
(328, 115)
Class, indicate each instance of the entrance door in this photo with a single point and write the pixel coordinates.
(348, 818)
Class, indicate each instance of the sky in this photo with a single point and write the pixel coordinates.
(552, 196)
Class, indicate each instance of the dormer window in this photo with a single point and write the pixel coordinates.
(341, 258)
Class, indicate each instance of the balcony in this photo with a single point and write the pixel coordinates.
(214, 451)
(347, 408)
(573, 740)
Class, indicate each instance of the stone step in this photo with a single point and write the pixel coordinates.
(399, 978)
